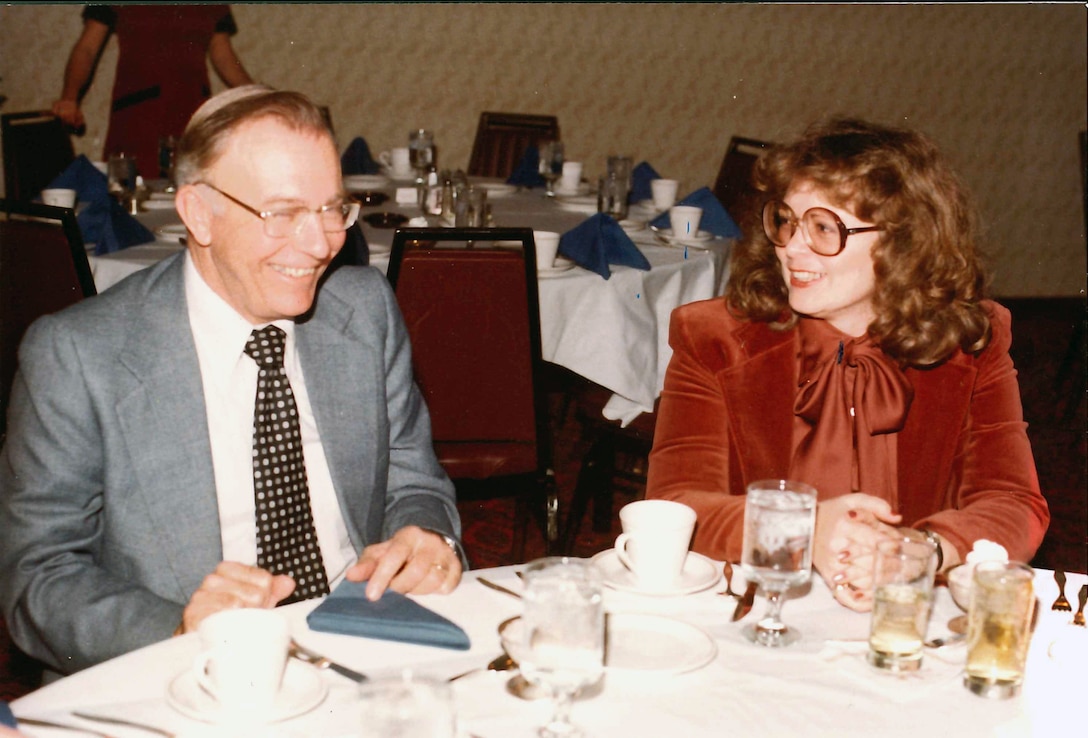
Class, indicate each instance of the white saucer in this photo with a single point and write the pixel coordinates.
(638, 642)
(399, 176)
(302, 690)
(157, 204)
(496, 189)
(172, 232)
(582, 189)
(562, 264)
(364, 182)
(577, 203)
(699, 573)
(667, 234)
(632, 226)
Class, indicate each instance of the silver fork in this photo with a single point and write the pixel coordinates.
(1061, 603)
(1082, 596)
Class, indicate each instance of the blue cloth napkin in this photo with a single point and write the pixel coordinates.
(527, 172)
(356, 159)
(715, 219)
(102, 221)
(641, 176)
(394, 617)
(598, 242)
(6, 718)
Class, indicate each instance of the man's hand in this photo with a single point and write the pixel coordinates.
(232, 586)
(413, 560)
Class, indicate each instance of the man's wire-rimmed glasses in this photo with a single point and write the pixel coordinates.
(823, 231)
(289, 221)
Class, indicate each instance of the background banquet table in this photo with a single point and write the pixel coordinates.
(820, 686)
(613, 332)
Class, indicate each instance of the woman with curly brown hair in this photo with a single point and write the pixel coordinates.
(854, 350)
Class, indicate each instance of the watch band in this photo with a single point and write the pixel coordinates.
(453, 543)
(936, 542)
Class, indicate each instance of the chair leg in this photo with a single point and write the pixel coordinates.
(602, 495)
(590, 478)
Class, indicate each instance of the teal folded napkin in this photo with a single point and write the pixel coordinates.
(102, 221)
(599, 241)
(527, 171)
(356, 159)
(715, 218)
(394, 617)
(641, 176)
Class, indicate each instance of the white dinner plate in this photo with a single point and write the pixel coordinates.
(698, 238)
(562, 264)
(496, 189)
(364, 182)
(302, 690)
(699, 573)
(635, 642)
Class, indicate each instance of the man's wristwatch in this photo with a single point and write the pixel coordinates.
(454, 545)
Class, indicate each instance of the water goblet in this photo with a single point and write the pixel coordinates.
(551, 164)
(779, 518)
(559, 644)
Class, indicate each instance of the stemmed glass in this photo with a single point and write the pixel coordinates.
(559, 640)
(551, 164)
(779, 518)
(421, 152)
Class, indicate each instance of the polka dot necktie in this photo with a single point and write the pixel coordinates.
(286, 538)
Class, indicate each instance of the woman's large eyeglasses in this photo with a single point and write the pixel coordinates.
(823, 231)
(284, 222)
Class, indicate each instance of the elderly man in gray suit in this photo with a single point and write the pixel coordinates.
(133, 500)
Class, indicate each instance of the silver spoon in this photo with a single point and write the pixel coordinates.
(502, 662)
(727, 572)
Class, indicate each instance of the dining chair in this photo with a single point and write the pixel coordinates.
(469, 300)
(613, 468)
(43, 268)
(733, 187)
(502, 138)
(36, 149)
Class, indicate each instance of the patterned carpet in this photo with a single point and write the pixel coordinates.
(1052, 380)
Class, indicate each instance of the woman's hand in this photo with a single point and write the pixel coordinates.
(847, 531)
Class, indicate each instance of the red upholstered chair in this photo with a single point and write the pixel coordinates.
(733, 187)
(37, 148)
(43, 268)
(472, 314)
(502, 138)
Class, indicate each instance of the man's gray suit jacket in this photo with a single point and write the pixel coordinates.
(108, 511)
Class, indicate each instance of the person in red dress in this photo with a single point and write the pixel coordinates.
(162, 73)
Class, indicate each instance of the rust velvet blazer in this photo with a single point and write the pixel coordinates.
(965, 467)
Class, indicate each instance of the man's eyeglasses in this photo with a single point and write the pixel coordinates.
(289, 221)
(823, 231)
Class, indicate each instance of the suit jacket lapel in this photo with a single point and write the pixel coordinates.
(163, 420)
(341, 373)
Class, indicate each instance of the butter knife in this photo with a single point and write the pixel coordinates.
(744, 604)
(497, 587)
(316, 659)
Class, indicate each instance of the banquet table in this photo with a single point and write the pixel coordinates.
(613, 332)
(820, 686)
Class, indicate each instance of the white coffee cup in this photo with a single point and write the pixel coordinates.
(59, 198)
(571, 176)
(244, 657)
(547, 246)
(684, 220)
(398, 160)
(654, 543)
(664, 193)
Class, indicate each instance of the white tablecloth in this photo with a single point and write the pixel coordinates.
(613, 332)
(817, 687)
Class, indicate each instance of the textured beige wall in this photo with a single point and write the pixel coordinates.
(1000, 87)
